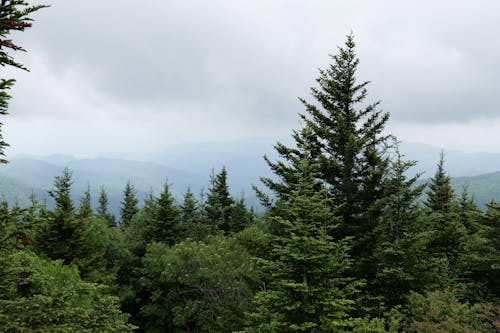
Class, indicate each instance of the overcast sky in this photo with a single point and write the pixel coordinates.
(139, 76)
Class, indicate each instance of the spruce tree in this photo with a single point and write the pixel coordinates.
(307, 289)
(440, 194)
(62, 236)
(85, 209)
(129, 205)
(166, 218)
(219, 202)
(240, 216)
(191, 224)
(14, 16)
(397, 252)
(102, 209)
(349, 144)
(62, 192)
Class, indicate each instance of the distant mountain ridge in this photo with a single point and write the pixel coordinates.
(190, 165)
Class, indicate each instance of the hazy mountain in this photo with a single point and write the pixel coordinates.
(190, 164)
(457, 164)
(113, 174)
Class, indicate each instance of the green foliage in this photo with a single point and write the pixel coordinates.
(129, 205)
(192, 225)
(480, 257)
(442, 311)
(14, 16)
(5, 85)
(197, 287)
(37, 295)
(343, 136)
(440, 195)
(164, 225)
(307, 288)
(102, 209)
(85, 209)
(62, 193)
(219, 203)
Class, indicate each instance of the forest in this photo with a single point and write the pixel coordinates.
(348, 241)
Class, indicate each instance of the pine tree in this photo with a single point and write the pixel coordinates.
(62, 235)
(165, 224)
(191, 224)
(240, 216)
(440, 194)
(397, 251)
(14, 16)
(308, 290)
(62, 192)
(129, 204)
(85, 209)
(102, 209)
(348, 143)
(219, 202)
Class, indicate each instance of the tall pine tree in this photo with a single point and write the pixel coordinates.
(348, 142)
(219, 203)
(129, 204)
(440, 194)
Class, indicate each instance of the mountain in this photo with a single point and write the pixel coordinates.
(190, 164)
(457, 163)
(485, 188)
(27, 174)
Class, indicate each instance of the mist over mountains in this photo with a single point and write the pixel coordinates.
(190, 165)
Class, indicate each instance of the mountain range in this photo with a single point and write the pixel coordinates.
(190, 165)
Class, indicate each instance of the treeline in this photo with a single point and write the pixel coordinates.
(346, 244)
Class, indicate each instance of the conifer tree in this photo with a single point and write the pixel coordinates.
(348, 143)
(129, 204)
(85, 209)
(240, 216)
(102, 209)
(308, 290)
(219, 202)
(14, 16)
(440, 194)
(396, 255)
(62, 236)
(62, 192)
(165, 224)
(191, 223)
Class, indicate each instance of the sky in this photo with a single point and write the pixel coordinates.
(129, 76)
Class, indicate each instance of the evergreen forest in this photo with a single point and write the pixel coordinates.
(348, 241)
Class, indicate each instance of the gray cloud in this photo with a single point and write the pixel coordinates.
(218, 65)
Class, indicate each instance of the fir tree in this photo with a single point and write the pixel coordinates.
(62, 192)
(308, 290)
(129, 204)
(440, 194)
(102, 209)
(219, 202)
(240, 216)
(14, 16)
(85, 209)
(348, 143)
(191, 217)
(396, 254)
(165, 224)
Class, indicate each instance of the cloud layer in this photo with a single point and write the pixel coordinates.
(113, 75)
